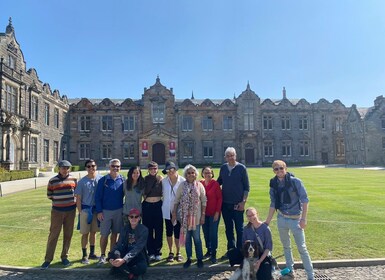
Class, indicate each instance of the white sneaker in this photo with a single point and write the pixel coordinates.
(102, 260)
(152, 257)
(158, 258)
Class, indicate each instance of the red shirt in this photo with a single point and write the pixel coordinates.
(214, 197)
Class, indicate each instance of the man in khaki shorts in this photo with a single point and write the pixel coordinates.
(85, 203)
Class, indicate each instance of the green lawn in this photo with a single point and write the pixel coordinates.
(346, 217)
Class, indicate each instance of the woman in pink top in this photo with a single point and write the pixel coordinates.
(213, 212)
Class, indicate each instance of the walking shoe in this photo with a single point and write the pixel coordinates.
(66, 262)
(152, 258)
(45, 265)
(187, 263)
(288, 276)
(158, 258)
(213, 259)
(179, 257)
(225, 257)
(170, 257)
(199, 263)
(93, 257)
(85, 260)
(207, 255)
(102, 260)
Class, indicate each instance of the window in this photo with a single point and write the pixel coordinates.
(338, 124)
(303, 123)
(286, 149)
(187, 123)
(227, 123)
(304, 148)
(34, 108)
(11, 98)
(128, 123)
(268, 148)
(340, 147)
(207, 123)
(106, 123)
(84, 151)
(84, 123)
(248, 115)
(323, 121)
(158, 112)
(56, 151)
(187, 149)
(285, 120)
(128, 150)
(46, 150)
(106, 151)
(383, 122)
(46, 113)
(56, 117)
(11, 62)
(383, 143)
(33, 150)
(207, 149)
(267, 122)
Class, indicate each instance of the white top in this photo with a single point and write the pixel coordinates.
(169, 192)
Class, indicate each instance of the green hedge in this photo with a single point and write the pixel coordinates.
(73, 168)
(15, 175)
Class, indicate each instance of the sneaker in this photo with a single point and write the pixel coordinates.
(93, 257)
(187, 263)
(207, 255)
(199, 263)
(288, 276)
(158, 258)
(66, 262)
(152, 258)
(45, 265)
(213, 259)
(179, 257)
(170, 257)
(224, 257)
(85, 260)
(102, 260)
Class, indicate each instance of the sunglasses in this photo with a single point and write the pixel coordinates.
(89, 166)
(134, 217)
(190, 173)
(115, 166)
(279, 168)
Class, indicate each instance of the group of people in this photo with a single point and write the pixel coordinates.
(131, 212)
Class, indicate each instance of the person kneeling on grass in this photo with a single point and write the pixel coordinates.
(129, 254)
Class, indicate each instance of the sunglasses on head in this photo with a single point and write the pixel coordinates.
(134, 217)
(89, 166)
(278, 168)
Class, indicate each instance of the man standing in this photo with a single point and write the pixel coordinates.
(61, 191)
(288, 196)
(235, 189)
(109, 205)
(85, 202)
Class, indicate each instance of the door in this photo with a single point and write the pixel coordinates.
(249, 156)
(158, 153)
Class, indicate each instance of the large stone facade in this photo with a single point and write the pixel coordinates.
(40, 127)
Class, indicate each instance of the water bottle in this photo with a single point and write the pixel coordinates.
(285, 271)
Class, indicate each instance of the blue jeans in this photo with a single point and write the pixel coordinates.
(284, 226)
(210, 232)
(233, 217)
(196, 235)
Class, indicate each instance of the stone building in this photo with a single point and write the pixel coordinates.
(32, 116)
(38, 126)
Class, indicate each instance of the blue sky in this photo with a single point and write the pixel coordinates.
(332, 49)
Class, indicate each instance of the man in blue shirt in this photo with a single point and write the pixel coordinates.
(109, 206)
(235, 189)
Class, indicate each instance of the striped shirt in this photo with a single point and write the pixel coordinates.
(61, 191)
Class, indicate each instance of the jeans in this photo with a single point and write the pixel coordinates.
(233, 217)
(210, 232)
(284, 226)
(196, 235)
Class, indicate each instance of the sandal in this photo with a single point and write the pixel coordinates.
(179, 258)
(170, 257)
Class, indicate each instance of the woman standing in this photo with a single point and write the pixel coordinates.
(213, 212)
(133, 191)
(152, 211)
(170, 185)
(191, 199)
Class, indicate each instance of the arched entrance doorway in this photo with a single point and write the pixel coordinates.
(249, 154)
(159, 153)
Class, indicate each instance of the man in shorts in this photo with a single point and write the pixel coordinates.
(109, 206)
(85, 203)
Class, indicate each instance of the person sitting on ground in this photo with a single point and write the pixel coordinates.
(129, 255)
